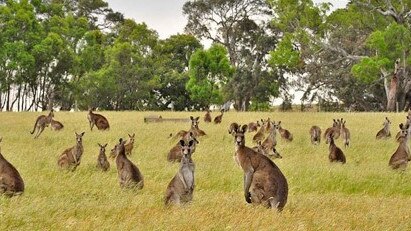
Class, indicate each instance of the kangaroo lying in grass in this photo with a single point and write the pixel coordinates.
(384, 133)
(98, 120)
(102, 162)
(315, 134)
(175, 154)
(71, 157)
(41, 123)
(264, 183)
(193, 129)
(56, 125)
(181, 187)
(285, 134)
(11, 183)
(400, 158)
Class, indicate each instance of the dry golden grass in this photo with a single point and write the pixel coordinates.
(363, 194)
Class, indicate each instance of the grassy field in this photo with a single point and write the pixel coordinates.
(363, 194)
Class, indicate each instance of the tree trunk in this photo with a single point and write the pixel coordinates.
(393, 88)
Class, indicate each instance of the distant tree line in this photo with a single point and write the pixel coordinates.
(70, 53)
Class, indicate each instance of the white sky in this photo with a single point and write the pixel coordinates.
(166, 16)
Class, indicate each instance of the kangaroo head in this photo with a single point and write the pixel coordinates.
(387, 121)
(79, 137)
(233, 127)
(186, 147)
(239, 135)
(132, 137)
(404, 131)
(118, 148)
(194, 121)
(102, 148)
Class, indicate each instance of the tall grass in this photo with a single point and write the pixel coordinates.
(363, 194)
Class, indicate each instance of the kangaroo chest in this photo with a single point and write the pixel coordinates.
(186, 175)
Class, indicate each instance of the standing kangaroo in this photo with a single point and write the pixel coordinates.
(270, 142)
(129, 175)
(102, 162)
(71, 157)
(11, 183)
(207, 116)
(264, 183)
(285, 134)
(336, 154)
(96, 119)
(315, 134)
(219, 118)
(181, 187)
(41, 123)
(175, 153)
(384, 133)
(345, 133)
(400, 158)
(56, 125)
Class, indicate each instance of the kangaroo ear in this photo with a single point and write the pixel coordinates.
(120, 140)
(191, 118)
(190, 143)
(244, 128)
(100, 145)
(182, 142)
(105, 145)
(82, 134)
(401, 125)
(198, 117)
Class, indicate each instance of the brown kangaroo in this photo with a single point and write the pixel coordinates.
(56, 125)
(42, 122)
(71, 157)
(130, 144)
(11, 183)
(96, 119)
(270, 142)
(102, 162)
(128, 173)
(264, 183)
(253, 126)
(315, 134)
(334, 130)
(232, 128)
(400, 158)
(259, 136)
(193, 129)
(207, 116)
(407, 122)
(219, 118)
(175, 153)
(336, 154)
(345, 133)
(181, 187)
(285, 134)
(384, 133)
(260, 149)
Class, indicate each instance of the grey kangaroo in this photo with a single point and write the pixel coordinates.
(102, 162)
(11, 183)
(400, 158)
(41, 123)
(71, 157)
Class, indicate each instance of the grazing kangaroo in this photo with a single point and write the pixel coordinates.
(384, 133)
(42, 122)
(219, 118)
(175, 153)
(130, 144)
(315, 134)
(264, 182)
(253, 126)
(96, 119)
(259, 136)
(400, 158)
(336, 154)
(56, 125)
(128, 174)
(285, 134)
(102, 162)
(71, 157)
(270, 142)
(181, 187)
(11, 183)
(207, 116)
(345, 133)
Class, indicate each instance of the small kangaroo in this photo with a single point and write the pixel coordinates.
(194, 129)
(71, 157)
(345, 133)
(336, 154)
(102, 162)
(41, 123)
(129, 175)
(315, 134)
(175, 153)
(260, 149)
(96, 119)
(259, 136)
(285, 134)
(253, 126)
(219, 118)
(400, 158)
(207, 116)
(11, 183)
(130, 144)
(181, 187)
(384, 133)
(264, 183)
(56, 125)
(270, 142)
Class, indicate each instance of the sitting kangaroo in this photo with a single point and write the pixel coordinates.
(71, 157)
(219, 118)
(384, 133)
(400, 158)
(264, 183)
(41, 123)
(175, 154)
(407, 123)
(129, 175)
(11, 183)
(130, 144)
(260, 149)
(193, 129)
(96, 119)
(259, 136)
(207, 116)
(336, 154)
(315, 134)
(285, 134)
(270, 142)
(56, 125)
(102, 162)
(345, 133)
(181, 187)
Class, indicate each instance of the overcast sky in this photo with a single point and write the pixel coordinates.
(166, 16)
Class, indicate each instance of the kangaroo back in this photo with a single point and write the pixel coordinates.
(11, 183)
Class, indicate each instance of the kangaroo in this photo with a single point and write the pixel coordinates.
(400, 158)
(345, 133)
(270, 142)
(194, 129)
(181, 187)
(407, 122)
(71, 157)
(56, 125)
(207, 117)
(128, 173)
(96, 119)
(41, 123)
(334, 130)
(232, 128)
(253, 126)
(129, 146)
(336, 154)
(260, 149)
(219, 118)
(264, 183)
(315, 133)
(384, 133)
(259, 136)
(175, 153)
(11, 183)
(102, 162)
(285, 134)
